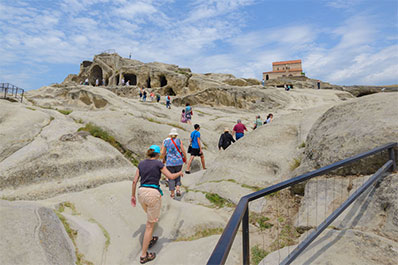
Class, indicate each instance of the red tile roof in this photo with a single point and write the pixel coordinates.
(286, 62)
(285, 71)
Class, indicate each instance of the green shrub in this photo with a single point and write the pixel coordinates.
(217, 200)
(257, 254)
(263, 223)
(65, 112)
(104, 135)
(302, 145)
(295, 164)
(202, 233)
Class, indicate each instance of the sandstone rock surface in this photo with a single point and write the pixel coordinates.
(351, 128)
(32, 234)
(334, 247)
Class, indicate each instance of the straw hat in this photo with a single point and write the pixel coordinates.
(226, 130)
(173, 131)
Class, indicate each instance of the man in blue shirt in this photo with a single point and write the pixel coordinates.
(195, 149)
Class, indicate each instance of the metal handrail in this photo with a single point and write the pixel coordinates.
(6, 87)
(241, 212)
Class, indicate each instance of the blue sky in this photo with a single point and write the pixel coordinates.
(340, 41)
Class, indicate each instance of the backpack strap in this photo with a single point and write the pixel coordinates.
(176, 147)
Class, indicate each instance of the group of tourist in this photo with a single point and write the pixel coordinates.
(169, 160)
(149, 172)
(152, 96)
(187, 113)
(226, 138)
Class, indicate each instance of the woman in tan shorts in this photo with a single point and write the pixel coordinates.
(149, 195)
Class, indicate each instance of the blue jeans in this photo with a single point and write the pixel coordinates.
(239, 135)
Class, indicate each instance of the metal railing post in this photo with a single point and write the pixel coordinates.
(5, 92)
(245, 237)
(391, 155)
(23, 91)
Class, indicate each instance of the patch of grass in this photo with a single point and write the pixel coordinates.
(257, 254)
(295, 163)
(175, 125)
(72, 235)
(79, 121)
(263, 223)
(99, 133)
(65, 112)
(104, 135)
(202, 233)
(62, 205)
(302, 145)
(52, 118)
(260, 221)
(201, 112)
(7, 198)
(45, 107)
(254, 188)
(218, 201)
(287, 237)
(222, 180)
(104, 231)
(31, 108)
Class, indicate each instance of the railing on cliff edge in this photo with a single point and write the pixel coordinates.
(241, 213)
(9, 90)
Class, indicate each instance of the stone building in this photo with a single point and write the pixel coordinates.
(284, 69)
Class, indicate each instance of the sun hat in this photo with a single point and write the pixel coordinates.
(155, 148)
(226, 130)
(173, 131)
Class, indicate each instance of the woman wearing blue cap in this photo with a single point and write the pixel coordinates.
(149, 195)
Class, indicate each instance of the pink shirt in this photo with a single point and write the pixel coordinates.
(240, 128)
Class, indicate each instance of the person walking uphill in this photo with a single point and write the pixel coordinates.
(239, 130)
(195, 149)
(225, 140)
(174, 153)
(188, 113)
(149, 195)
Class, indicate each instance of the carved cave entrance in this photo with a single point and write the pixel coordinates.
(163, 81)
(169, 91)
(267, 77)
(96, 73)
(148, 82)
(117, 80)
(132, 78)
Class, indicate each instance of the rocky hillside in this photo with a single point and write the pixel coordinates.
(69, 152)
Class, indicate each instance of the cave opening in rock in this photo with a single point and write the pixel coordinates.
(169, 91)
(163, 81)
(148, 82)
(267, 77)
(132, 78)
(96, 73)
(117, 80)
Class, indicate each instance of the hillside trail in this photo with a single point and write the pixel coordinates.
(96, 200)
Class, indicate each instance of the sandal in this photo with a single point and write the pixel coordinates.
(178, 193)
(153, 241)
(148, 257)
(172, 196)
(187, 172)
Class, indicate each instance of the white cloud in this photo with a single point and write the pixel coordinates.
(342, 4)
(70, 31)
